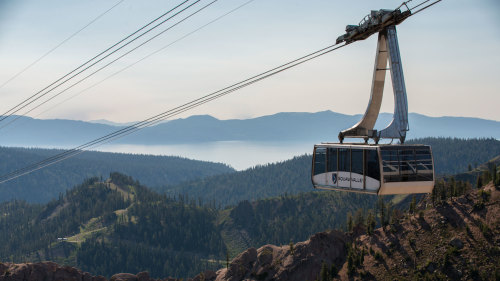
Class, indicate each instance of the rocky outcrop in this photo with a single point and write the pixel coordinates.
(301, 261)
(48, 271)
(458, 239)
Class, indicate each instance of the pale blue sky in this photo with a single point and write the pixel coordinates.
(450, 56)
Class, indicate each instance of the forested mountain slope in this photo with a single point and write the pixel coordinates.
(454, 155)
(112, 226)
(118, 225)
(287, 218)
(451, 156)
(291, 176)
(449, 235)
(46, 184)
(209, 181)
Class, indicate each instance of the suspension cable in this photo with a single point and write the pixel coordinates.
(179, 109)
(39, 94)
(144, 58)
(421, 9)
(105, 66)
(167, 114)
(60, 44)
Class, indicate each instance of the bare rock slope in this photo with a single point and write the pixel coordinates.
(454, 239)
(49, 271)
(301, 261)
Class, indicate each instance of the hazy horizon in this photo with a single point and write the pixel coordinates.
(111, 122)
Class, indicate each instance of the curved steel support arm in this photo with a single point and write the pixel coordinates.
(387, 49)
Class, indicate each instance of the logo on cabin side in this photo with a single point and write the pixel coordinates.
(334, 178)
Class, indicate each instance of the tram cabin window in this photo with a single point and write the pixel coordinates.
(406, 163)
(319, 160)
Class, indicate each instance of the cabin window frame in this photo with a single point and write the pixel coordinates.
(401, 164)
(323, 163)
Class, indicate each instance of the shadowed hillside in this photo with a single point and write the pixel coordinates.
(451, 156)
(46, 184)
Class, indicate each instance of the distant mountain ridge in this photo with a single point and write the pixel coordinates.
(111, 123)
(286, 126)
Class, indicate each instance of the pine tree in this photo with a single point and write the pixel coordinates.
(434, 194)
(349, 222)
(388, 212)
(494, 173)
(350, 264)
(394, 217)
(486, 177)
(292, 249)
(333, 271)
(370, 223)
(381, 209)
(453, 187)
(479, 182)
(413, 204)
(324, 274)
(359, 217)
(498, 178)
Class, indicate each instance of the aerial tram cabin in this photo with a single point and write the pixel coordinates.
(376, 169)
(380, 169)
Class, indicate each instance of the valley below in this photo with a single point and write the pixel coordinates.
(441, 238)
(198, 220)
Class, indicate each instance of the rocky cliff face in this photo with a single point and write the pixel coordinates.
(43, 271)
(458, 239)
(301, 261)
(49, 271)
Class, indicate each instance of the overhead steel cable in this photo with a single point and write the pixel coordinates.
(421, 9)
(109, 63)
(157, 51)
(420, 4)
(214, 94)
(172, 112)
(144, 58)
(167, 114)
(39, 94)
(60, 44)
